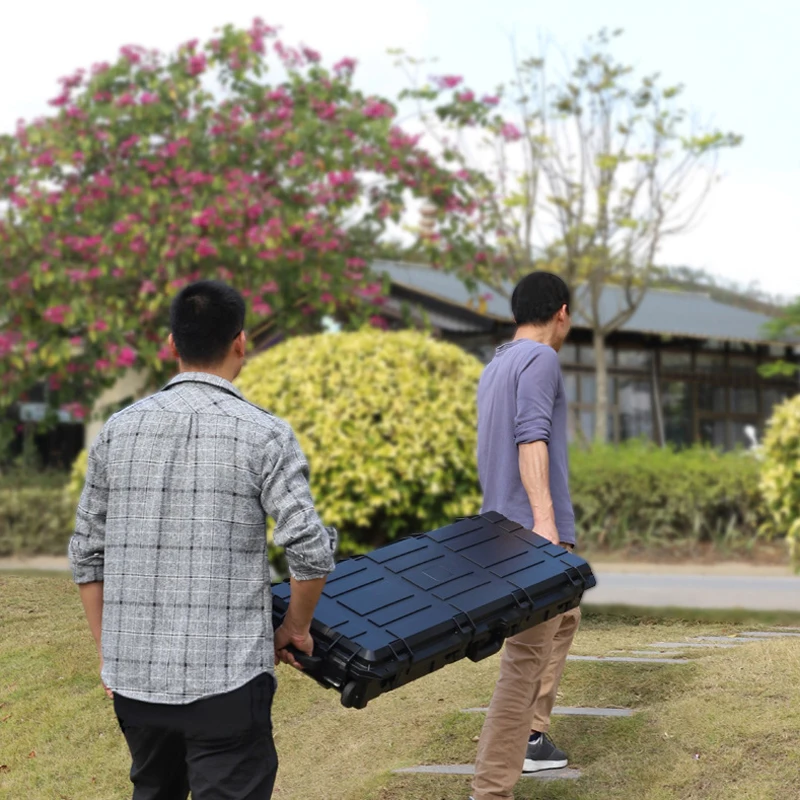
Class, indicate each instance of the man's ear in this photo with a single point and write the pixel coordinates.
(240, 345)
(172, 348)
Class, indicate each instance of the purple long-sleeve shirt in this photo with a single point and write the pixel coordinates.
(521, 399)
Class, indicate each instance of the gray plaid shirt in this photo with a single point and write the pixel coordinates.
(172, 520)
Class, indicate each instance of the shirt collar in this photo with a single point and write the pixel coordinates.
(207, 378)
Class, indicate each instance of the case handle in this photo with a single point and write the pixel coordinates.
(489, 648)
(307, 662)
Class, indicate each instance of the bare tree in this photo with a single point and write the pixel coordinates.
(598, 171)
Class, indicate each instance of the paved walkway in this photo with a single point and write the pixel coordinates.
(726, 585)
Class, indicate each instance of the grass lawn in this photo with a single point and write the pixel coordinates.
(725, 726)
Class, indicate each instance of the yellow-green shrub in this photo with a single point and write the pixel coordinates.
(77, 476)
(780, 475)
(387, 422)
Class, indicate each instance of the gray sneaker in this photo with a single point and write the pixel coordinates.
(543, 754)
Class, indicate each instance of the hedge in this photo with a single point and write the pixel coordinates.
(630, 497)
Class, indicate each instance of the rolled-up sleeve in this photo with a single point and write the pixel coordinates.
(537, 387)
(87, 544)
(286, 497)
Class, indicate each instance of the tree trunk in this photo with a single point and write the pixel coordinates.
(601, 431)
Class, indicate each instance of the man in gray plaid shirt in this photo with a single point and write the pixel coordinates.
(170, 554)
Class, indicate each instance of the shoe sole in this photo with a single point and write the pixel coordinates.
(539, 766)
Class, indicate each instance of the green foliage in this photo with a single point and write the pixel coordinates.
(387, 422)
(76, 477)
(780, 475)
(639, 496)
(36, 520)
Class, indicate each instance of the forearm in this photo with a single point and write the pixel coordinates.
(92, 599)
(534, 470)
(303, 602)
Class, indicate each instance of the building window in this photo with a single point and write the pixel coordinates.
(710, 363)
(568, 354)
(635, 403)
(676, 407)
(634, 359)
(712, 432)
(676, 361)
(711, 398)
(744, 400)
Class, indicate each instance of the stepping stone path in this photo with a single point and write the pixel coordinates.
(469, 769)
(572, 711)
(703, 642)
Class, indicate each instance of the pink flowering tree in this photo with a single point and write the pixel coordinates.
(161, 169)
(592, 169)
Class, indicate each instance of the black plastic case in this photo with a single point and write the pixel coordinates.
(418, 604)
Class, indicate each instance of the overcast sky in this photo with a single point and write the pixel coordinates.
(739, 59)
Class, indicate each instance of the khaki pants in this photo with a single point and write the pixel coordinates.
(530, 671)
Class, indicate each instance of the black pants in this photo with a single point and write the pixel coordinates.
(220, 747)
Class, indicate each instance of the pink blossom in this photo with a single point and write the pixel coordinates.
(100, 325)
(510, 132)
(102, 97)
(124, 100)
(326, 297)
(18, 201)
(75, 410)
(204, 218)
(378, 322)
(101, 364)
(73, 112)
(43, 160)
(465, 97)
(131, 53)
(130, 142)
(311, 55)
(297, 159)
(376, 109)
(370, 290)
(196, 65)
(340, 178)
(448, 81)
(345, 65)
(138, 245)
(490, 100)
(164, 354)
(100, 67)
(261, 307)
(17, 283)
(61, 100)
(53, 383)
(56, 314)
(270, 287)
(120, 228)
(44, 267)
(148, 98)
(76, 341)
(356, 263)
(32, 346)
(147, 287)
(118, 272)
(205, 248)
(126, 357)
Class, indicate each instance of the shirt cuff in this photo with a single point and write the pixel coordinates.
(86, 573)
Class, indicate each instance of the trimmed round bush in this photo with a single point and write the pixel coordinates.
(387, 421)
(780, 475)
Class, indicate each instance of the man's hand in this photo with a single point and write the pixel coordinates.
(547, 529)
(286, 636)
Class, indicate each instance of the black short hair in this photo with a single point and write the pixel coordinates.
(205, 318)
(537, 298)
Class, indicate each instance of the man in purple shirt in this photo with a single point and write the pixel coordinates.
(522, 463)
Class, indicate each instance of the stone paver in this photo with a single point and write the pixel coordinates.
(693, 644)
(573, 711)
(782, 634)
(625, 660)
(469, 769)
(729, 639)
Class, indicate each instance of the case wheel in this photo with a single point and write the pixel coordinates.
(351, 696)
